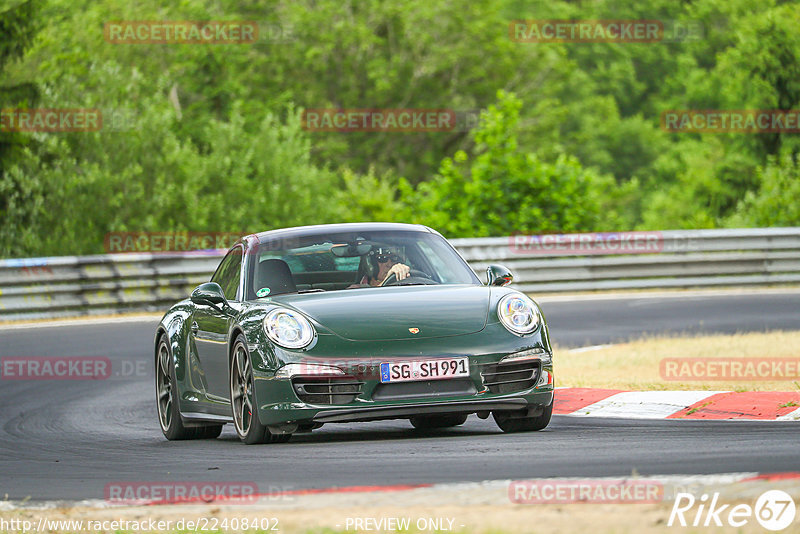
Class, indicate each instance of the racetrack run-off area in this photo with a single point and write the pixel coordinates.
(66, 440)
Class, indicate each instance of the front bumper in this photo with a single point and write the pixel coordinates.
(279, 403)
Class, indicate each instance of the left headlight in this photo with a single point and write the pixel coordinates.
(518, 314)
(288, 328)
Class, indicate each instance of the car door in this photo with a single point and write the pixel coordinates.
(211, 324)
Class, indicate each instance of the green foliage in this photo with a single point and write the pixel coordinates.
(19, 198)
(775, 203)
(251, 174)
(500, 189)
(18, 25)
(367, 197)
(211, 137)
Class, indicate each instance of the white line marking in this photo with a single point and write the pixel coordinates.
(644, 404)
(544, 297)
(83, 322)
(589, 349)
(792, 416)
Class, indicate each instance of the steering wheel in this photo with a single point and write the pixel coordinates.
(412, 273)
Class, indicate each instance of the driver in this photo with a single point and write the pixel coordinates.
(383, 262)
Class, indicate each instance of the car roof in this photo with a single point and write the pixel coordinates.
(317, 229)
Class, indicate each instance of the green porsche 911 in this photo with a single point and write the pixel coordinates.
(350, 322)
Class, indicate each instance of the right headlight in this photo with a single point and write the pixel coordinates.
(288, 328)
(518, 314)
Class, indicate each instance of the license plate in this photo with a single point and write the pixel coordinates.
(424, 370)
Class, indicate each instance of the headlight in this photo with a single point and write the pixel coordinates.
(288, 328)
(518, 313)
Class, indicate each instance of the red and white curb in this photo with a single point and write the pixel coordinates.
(750, 405)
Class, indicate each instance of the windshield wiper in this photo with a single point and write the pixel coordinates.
(315, 290)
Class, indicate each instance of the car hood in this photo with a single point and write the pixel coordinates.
(372, 314)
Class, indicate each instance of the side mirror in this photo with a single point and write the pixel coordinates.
(209, 293)
(497, 275)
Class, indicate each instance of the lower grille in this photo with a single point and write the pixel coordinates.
(511, 376)
(424, 389)
(328, 390)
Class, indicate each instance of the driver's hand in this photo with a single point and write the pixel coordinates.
(400, 270)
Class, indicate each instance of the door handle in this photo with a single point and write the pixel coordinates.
(194, 327)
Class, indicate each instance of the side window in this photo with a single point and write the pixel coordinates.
(229, 272)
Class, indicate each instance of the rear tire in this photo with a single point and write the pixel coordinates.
(167, 395)
(243, 400)
(169, 416)
(430, 422)
(508, 423)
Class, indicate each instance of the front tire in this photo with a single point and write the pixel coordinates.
(508, 423)
(430, 422)
(243, 399)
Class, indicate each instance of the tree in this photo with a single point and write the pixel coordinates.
(20, 199)
(241, 173)
(500, 189)
(775, 202)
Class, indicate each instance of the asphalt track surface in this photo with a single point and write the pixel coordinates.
(65, 440)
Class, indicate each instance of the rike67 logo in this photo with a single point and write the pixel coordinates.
(774, 510)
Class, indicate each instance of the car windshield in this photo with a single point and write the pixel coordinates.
(354, 260)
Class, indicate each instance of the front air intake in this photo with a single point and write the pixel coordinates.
(327, 390)
(509, 377)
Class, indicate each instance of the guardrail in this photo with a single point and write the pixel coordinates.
(81, 285)
(686, 258)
